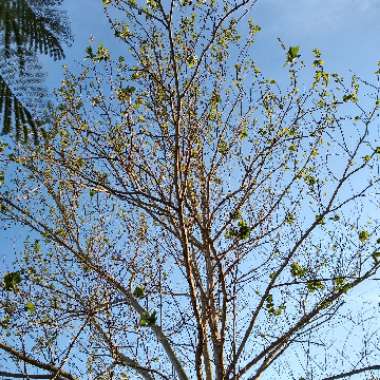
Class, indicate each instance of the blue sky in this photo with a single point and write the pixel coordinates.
(347, 32)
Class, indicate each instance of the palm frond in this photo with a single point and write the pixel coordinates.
(14, 113)
(26, 27)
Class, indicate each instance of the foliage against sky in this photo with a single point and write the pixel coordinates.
(189, 217)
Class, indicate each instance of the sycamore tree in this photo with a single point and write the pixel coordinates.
(189, 218)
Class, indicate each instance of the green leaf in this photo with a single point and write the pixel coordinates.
(376, 257)
(241, 232)
(253, 28)
(318, 62)
(102, 54)
(314, 285)
(244, 133)
(297, 270)
(124, 94)
(244, 230)
(366, 158)
(139, 292)
(2, 178)
(310, 180)
(289, 218)
(37, 246)
(30, 307)
(11, 281)
(320, 220)
(191, 60)
(363, 236)
(148, 319)
(317, 53)
(125, 33)
(342, 285)
(272, 310)
(5, 322)
(223, 147)
(293, 53)
(152, 3)
(90, 53)
(350, 97)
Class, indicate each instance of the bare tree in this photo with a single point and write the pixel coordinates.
(190, 218)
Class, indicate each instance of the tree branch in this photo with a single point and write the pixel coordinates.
(353, 372)
(36, 363)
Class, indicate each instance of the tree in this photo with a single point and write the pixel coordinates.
(190, 218)
(21, 96)
(27, 28)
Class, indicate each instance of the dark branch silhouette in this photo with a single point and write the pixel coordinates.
(15, 113)
(28, 376)
(353, 372)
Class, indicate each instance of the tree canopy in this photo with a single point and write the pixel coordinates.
(190, 218)
(27, 28)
